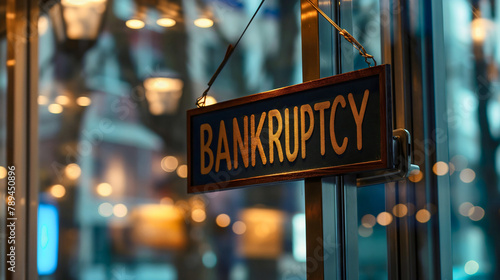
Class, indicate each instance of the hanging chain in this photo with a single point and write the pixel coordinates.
(347, 36)
(200, 101)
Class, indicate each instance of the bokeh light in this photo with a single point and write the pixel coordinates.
(105, 209)
(83, 101)
(198, 215)
(182, 171)
(72, 171)
(223, 220)
(135, 24)
(368, 221)
(104, 189)
(417, 177)
(169, 163)
(476, 213)
(58, 191)
(204, 22)
(423, 216)
(471, 267)
(400, 210)
(3, 172)
(55, 108)
(467, 175)
(464, 208)
(384, 218)
(440, 168)
(239, 227)
(120, 210)
(365, 232)
(62, 100)
(166, 22)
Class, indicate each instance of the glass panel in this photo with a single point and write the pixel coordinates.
(372, 241)
(473, 87)
(113, 141)
(372, 216)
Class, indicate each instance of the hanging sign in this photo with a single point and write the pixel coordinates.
(336, 125)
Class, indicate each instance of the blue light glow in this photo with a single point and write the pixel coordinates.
(48, 239)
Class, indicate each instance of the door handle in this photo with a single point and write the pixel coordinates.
(401, 141)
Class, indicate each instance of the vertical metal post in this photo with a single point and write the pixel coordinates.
(22, 121)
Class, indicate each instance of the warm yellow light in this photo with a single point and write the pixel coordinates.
(83, 101)
(198, 215)
(368, 221)
(384, 218)
(364, 231)
(465, 208)
(476, 213)
(167, 201)
(400, 210)
(467, 175)
(162, 84)
(223, 220)
(239, 227)
(166, 22)
(415, 178)
(43, 100)
(204, 22)
(58, 191)
(3, 172)
(169, 163)
(11, 62)
(182, 171)
(104, 189)
(197, 202)
(80, 2)
(210, 100)
(72, 171)
(440, 168)
(120, 210)
(62, 100)
(105, 209)
(43, 25)
(423, 216)
(135, 24)
(481, 28)
(55, 108)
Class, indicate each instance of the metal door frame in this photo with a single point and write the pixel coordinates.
(413, 43)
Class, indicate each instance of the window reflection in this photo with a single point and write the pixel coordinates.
(471, 30)
(112, 139)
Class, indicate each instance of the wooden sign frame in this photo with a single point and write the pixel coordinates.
(385, 104)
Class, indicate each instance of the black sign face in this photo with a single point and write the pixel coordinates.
(336, 125)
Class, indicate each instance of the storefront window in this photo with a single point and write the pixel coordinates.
(112, 111)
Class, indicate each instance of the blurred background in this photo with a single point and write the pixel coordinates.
(116, 78)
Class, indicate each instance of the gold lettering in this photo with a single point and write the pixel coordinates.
(321, 108)
(274, 138)
(239, 143)
(305, 135)
(255, 138)
(359, 117)
(222, 155)
(292, 156)
(339, 150)
(205, 149)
